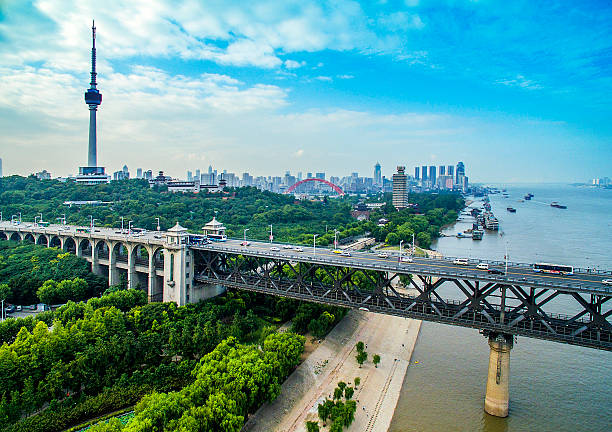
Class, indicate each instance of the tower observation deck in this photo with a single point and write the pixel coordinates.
(92, 173)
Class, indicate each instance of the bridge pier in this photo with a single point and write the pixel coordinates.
(498, 396)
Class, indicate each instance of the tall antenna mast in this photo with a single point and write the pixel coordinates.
(93, 56)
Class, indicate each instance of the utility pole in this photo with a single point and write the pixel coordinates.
(314, 244)
(271, 236)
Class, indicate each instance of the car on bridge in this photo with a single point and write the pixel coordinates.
(495, 271)
(406, 259)
(345, 253)
(287, 247)
(383, 255)
(461, 261)
(274, 249)
(607, 282)
(298, 249)
(245, 243)
(482, 266)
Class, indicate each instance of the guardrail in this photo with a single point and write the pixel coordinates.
(408, 268)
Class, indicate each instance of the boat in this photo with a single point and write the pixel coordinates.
(462, 235)
(477, 234)
(491, 222)
(527, 197)
(557, 205)
(511, 209)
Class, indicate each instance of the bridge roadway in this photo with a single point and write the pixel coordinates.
(518, 273)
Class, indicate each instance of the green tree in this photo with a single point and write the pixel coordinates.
(376, 359)
(341, 385)
(323, 412)
(361, 357)
(392, 238)
(349, 392)
(357, 381)
(338, 393)
(312, 426)
(360, 346)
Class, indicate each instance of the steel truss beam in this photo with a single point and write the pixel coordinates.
(488, 306)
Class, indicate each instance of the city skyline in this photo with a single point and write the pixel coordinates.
(273, 88)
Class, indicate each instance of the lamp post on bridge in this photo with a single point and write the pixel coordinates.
(35, 220)
(400, 253)
(158, 227)
(13, 218)
(335, 239)
(19, 218)
(314, 244)
(122, 225)
(130, 227)
(245, 231)
(271, 236)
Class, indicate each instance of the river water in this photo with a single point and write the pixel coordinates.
(553, 386)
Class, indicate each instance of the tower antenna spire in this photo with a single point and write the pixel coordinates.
(93, 82)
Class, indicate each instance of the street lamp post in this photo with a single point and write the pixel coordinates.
(314, 244)
(335, 239)
(13, 218)
(41, 218)
(130, 227)
(63, 218)
(400, 255)
(271, 236)
(121, 224)
(20, 218)
(35, 220)
(413, 250)
(158, 227)
(245, 230)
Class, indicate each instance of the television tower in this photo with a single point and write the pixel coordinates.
(93, 98)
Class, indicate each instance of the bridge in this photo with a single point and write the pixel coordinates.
(174, 265)
(336, 188)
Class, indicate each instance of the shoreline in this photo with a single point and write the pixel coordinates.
(393, 338)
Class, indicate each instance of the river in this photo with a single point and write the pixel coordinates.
(553, 386)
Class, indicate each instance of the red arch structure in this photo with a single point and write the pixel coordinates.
(333, 186)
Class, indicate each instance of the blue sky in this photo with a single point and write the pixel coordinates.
(519, 91)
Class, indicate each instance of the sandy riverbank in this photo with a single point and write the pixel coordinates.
(393, 338)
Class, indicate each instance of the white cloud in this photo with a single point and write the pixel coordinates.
(292, 64)
(520, 81)
(299, 153)
(323, 78)
(345, 76)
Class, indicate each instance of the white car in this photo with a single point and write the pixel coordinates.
(274, 249)
(298, 249)
(461, 261)
(407, 259)
(345, 253)
(365, 309)
(287, 247)
(607, 282)
(383, 255)
(482, 266)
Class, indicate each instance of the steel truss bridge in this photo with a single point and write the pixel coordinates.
(521, 303)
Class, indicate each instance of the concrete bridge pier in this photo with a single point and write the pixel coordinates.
(497, 397)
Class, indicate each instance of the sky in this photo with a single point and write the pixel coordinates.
(518, 90)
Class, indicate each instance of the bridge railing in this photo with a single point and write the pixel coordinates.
(411, 268)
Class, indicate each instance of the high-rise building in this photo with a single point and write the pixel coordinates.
(417, 173)
(148, 175)
(197, 173)
(190, 176)
(320, 175)
(400, 195)
(377, 174)
(92, 173)
(424, 173)
(432, 175)
(138, 172)
(450, 170)
(126, 172)
(460, 172)
(441, 170)
(299, 177)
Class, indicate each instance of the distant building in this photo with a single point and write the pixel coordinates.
(441, 170)
(417, 173)
(43, 175)
(460, 172)
(138, 172)
(424, 173)
(432, 176)
(450, 170)
(190, 176)
(148, 175)
(377, 175)
(183, 186)
(161, 179)
(400, 195)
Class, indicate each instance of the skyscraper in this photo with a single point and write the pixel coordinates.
(92, 173)
(432, 175)
(460, 172)
(450, 170)
(138, 172)
(377, 174)
(424, 173)
(417, 173)
(400, 195)
(441, 170)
